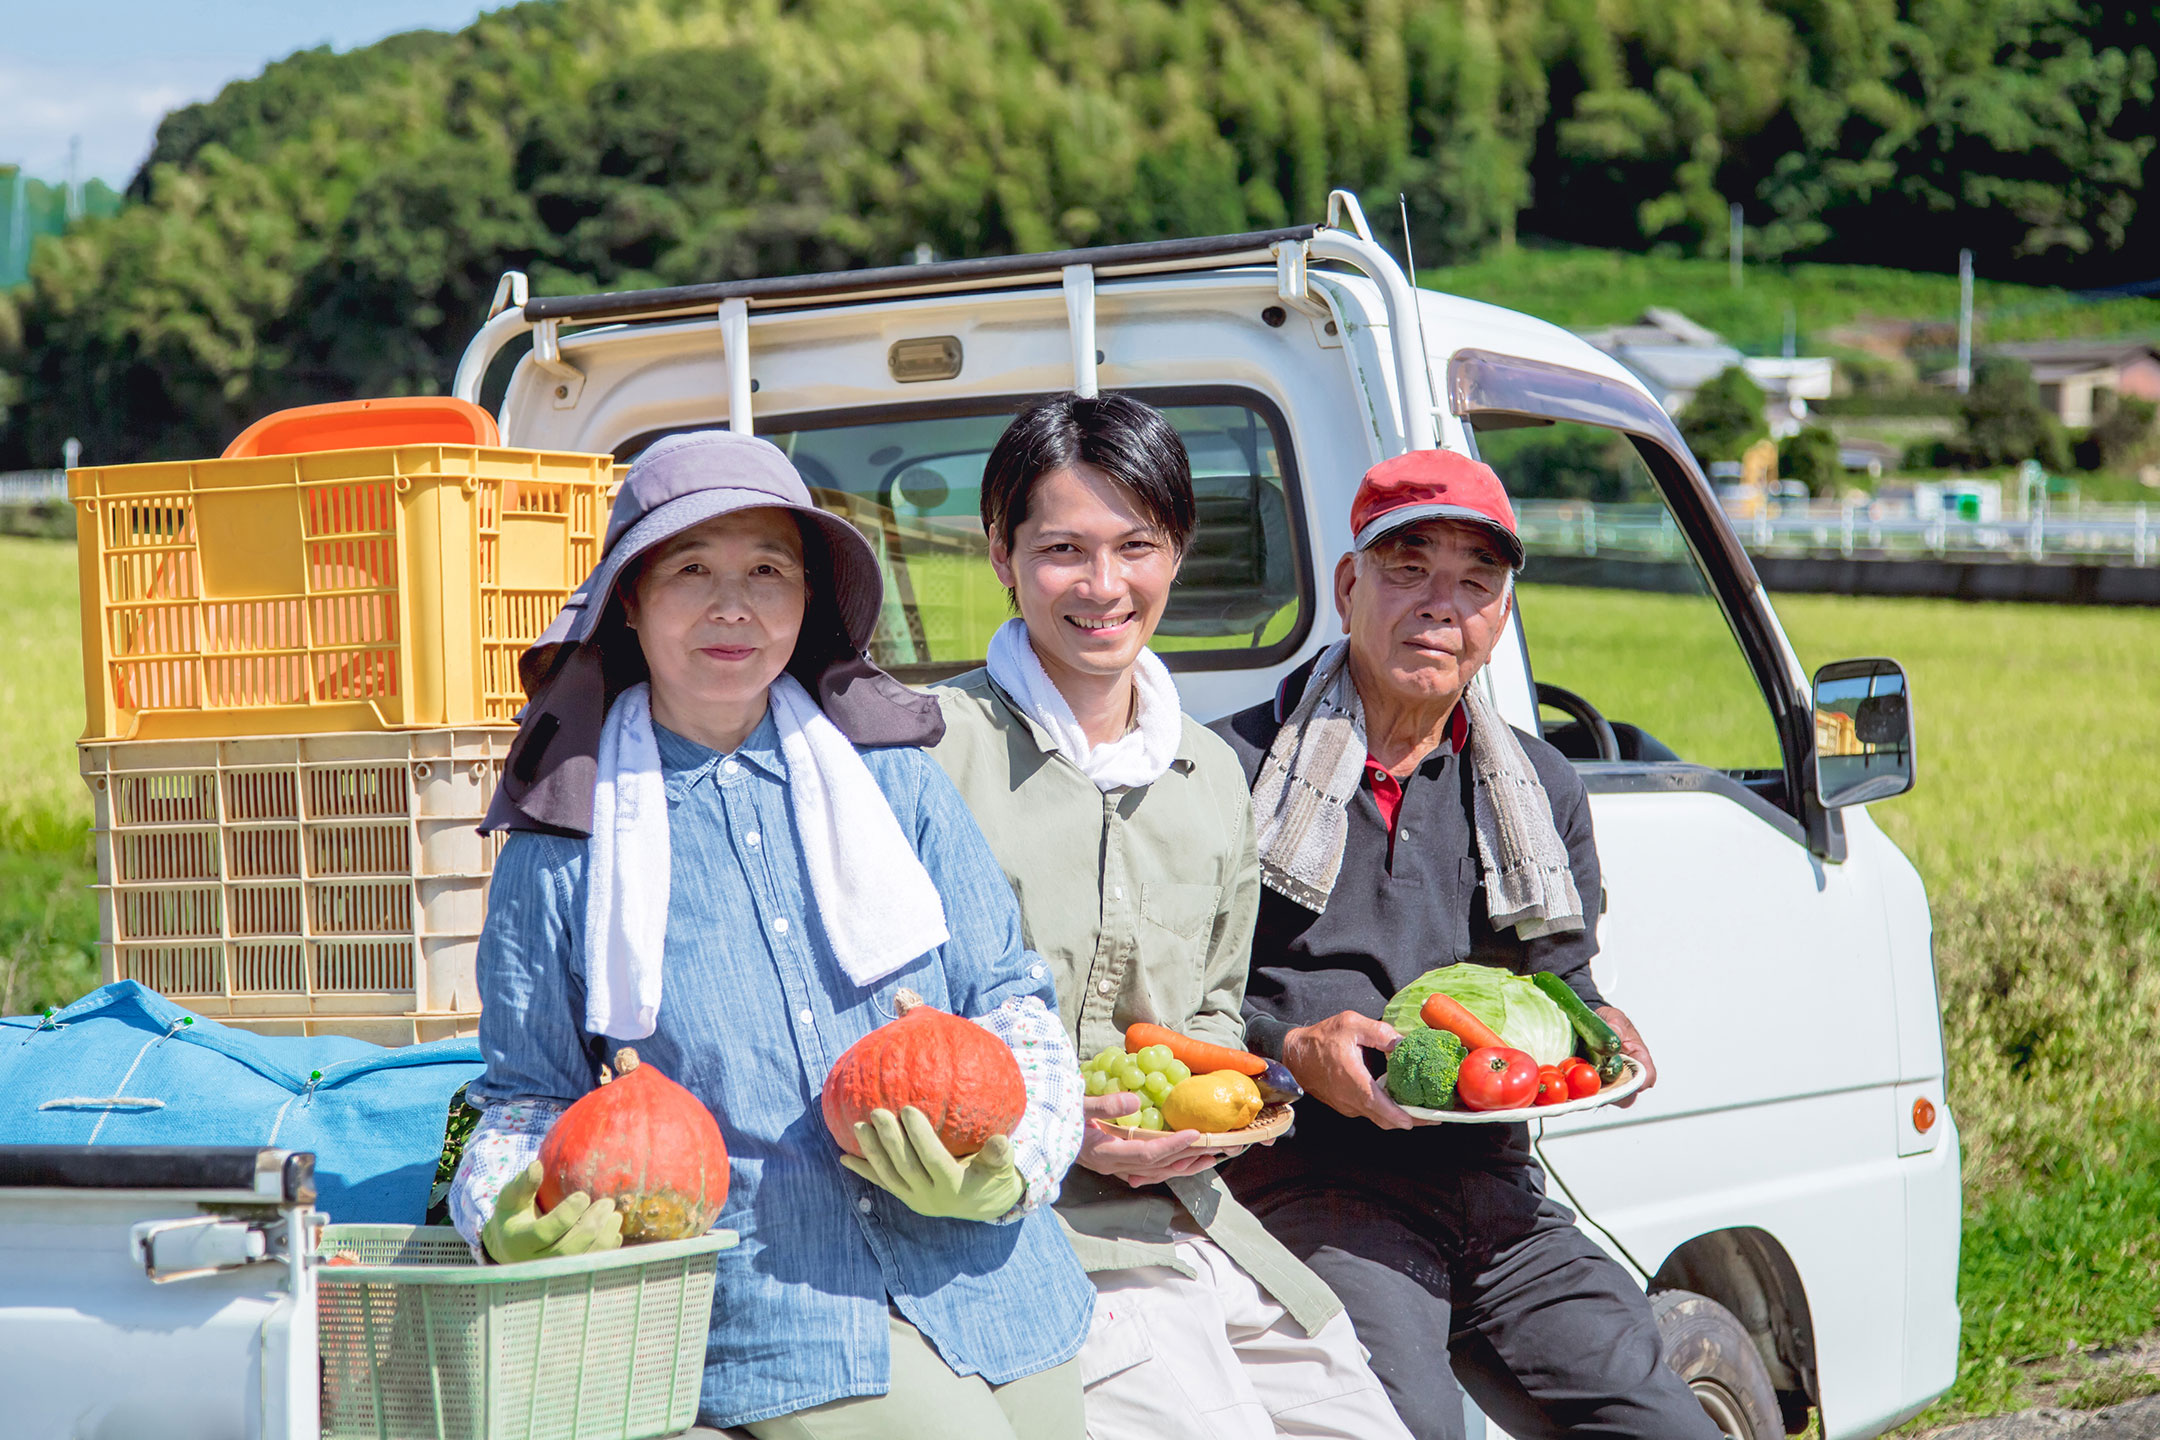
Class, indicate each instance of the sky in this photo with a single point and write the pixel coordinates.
(109, 70)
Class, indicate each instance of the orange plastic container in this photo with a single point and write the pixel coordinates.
(367, 425)
(369, 589)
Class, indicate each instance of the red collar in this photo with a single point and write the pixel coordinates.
(1387, 791)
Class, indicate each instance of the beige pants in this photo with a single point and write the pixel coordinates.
(1213, 1357)
(927, 1401)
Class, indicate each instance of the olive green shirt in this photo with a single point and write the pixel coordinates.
(1141, 900)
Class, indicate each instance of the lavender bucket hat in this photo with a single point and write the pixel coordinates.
(587, 655)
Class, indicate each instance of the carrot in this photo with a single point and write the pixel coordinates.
(1444, 1012)
(1200, 1057)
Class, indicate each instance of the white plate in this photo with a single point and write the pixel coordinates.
(1620, 1089)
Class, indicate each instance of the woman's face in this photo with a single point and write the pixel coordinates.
(717, 610)
(1090, 572)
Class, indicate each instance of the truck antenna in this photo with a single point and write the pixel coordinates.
(1402, 203)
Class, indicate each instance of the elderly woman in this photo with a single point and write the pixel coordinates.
(702, 861)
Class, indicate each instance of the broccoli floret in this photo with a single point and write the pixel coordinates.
(1422, 1069)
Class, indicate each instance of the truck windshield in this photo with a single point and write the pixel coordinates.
(911, 482)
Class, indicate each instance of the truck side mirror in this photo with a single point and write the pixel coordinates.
(1863, 732)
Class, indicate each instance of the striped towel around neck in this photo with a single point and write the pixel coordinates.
(1316, 762)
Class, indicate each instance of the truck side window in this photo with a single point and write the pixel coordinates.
(1615, 606)
(910, 481)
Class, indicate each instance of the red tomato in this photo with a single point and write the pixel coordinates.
(1551, 1086)
(1582, 1079)
(1497, 1078)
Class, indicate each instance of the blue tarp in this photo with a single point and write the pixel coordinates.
(125, 1066)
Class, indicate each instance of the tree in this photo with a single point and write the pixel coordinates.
(1567, 462)
(1725, 417)
(2124, 437)
(2002, 420)
(1811, 457)
(333, 226)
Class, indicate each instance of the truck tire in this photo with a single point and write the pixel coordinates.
(1710, 1349)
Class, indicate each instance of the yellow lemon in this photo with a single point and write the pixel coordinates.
(1213, 1103)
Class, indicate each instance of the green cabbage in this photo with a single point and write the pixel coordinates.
(1511, 1005)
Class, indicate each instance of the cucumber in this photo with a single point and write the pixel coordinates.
(1598, 1038)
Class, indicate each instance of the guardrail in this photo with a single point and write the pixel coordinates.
(30, 487)
(2106, 534)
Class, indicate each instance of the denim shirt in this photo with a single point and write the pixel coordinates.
(754, 1011)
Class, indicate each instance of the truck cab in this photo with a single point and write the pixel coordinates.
(1796, 1168)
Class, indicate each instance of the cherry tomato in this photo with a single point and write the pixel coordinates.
(1497, 1078)
(1551, 1086)
(1582, 1079)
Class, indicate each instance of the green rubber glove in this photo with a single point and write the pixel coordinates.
(902, 1154)
(578, 1226)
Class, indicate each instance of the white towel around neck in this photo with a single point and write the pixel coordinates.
(1138, 757)
(879, 907)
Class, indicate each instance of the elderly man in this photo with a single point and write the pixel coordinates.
(1404, 826)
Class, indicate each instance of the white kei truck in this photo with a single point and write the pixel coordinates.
(1789, 1191)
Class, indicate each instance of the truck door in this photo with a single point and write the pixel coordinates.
(1735, 933)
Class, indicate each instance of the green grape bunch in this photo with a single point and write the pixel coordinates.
(1149, 1074)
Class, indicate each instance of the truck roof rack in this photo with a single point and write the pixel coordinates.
(1204, 251)
(515, 310)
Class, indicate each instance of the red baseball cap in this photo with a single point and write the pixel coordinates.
(1433, 485)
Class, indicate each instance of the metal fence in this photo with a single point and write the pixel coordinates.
(2106, 534)
(29, 487)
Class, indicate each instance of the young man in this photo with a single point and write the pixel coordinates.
(1125, 830)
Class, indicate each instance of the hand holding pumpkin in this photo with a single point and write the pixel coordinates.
(902, 1154)
(577, 1225)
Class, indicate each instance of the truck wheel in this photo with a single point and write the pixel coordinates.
(1709, 1348)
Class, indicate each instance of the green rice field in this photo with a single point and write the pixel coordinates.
(2038, 724)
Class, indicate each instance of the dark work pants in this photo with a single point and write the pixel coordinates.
(1547, 1333)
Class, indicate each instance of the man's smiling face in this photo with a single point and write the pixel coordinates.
(1089, 571)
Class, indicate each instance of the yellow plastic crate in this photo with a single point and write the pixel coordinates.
(300, 884)
(345, 590)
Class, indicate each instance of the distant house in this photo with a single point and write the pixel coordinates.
(1675, 357)
(2077, 376)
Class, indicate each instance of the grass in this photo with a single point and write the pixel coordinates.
(1690, 688)
(2052, 1272)
(41, 683)
(1581, 287)
(2038, 723)
(48, 915)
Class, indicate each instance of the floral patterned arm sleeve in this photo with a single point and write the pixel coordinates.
(1048, 1136)
(506, 1140)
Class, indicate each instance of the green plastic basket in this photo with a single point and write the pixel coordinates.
(420, 1343)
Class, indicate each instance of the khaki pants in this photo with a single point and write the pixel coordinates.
(927, 1401)
(1213, 1357)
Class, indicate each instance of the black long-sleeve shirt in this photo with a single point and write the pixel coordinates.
(1401, 909)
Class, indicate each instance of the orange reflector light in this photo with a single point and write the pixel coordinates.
(1923, 1114)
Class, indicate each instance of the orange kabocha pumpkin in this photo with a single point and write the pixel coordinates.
(646, 1142)
(963, 1078)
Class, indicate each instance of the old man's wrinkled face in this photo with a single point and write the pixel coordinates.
(1424, 608)
(717, 610)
